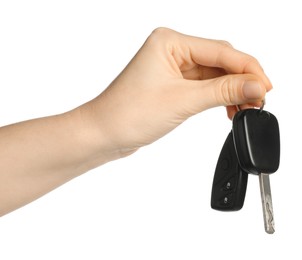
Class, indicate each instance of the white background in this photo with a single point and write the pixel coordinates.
(155, 204)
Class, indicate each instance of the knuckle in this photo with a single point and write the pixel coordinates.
(227, 92)
(250, 60)
(160, 33)
(160, 30)
(225, 43)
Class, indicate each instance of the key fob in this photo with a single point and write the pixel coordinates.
(257, 141)
(230, 181)
(257, 144)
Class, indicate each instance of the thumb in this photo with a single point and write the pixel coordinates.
(232, 90)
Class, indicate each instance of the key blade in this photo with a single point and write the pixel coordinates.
(267, 204)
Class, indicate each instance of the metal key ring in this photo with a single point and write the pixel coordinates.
(261, 108)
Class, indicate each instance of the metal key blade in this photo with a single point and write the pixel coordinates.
(267, 204)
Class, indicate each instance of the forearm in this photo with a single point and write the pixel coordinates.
(171, 78)
(39, 155)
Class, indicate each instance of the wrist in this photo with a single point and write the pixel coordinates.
(96, 140)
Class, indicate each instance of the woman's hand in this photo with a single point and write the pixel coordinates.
(172, 77)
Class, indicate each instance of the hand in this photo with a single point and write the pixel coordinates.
(172, 77)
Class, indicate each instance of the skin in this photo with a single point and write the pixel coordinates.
(172, 77)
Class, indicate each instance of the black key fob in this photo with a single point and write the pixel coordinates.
(257, 141)
(230, 181)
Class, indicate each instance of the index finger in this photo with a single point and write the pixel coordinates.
(213, 53)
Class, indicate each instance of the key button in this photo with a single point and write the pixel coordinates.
(226, 200)
(229, 184)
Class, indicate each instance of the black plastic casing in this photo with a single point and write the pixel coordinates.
(257, 141)
(230, 181)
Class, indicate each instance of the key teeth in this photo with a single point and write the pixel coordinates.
(267, 204)
(270, 228)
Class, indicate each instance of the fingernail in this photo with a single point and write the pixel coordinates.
(252, 90)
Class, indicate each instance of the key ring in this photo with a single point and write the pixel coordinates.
(262, 106)
(260, 109)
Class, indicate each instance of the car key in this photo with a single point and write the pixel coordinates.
(257, 144)
(230, 181)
